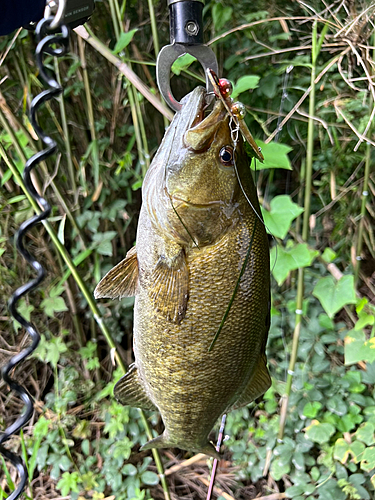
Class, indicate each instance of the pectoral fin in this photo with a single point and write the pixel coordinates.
(258, 384)
(130, 391)
(122, 280)
(170, 289)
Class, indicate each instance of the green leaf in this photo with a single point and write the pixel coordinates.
(365, 433)
(102, 242)
(123, 41)
(245, 83)
(150, 478)
(320, 432)
(289, 259)
(343, 450)
(279, 468)
(311, 409)
(182, 63)
(68, 483)
(334, 296)
(25, 310)
(51, 305)
(282, 212)
(275, 156)
(329, 255)
(357, 348)
(221, 15)
(294, 491)
(368, 459)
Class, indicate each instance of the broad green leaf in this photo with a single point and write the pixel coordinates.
(102, 242)
(221, 15)
(311, 409)
(150, 478)
(320, 432)
(280, 216)
(328, 255)
(279, 469)
(123, 41)
(289, 259)
(245, 83)
(69, 483)
(51, 305)
(365, 433)
(275, 156)
(368, 459)
(343, 450)
(24, 310)
(182, 63)
(334, 296)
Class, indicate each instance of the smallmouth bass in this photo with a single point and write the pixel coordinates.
(198, 240)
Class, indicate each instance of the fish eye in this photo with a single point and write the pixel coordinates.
(226, 156)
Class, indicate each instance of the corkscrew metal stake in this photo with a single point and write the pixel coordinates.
(54, 44)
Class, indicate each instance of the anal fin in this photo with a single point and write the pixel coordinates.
(121, 280)
(258, 384)
(170, 289)
(130, 391)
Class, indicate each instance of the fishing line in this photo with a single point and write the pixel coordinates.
(55, 45)
(235, 289)
(182, 222)
(234, 137)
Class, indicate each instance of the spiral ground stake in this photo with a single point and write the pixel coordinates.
(55, 44)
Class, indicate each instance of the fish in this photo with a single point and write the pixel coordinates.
(200, 274)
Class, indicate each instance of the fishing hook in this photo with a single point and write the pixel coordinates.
(57, 45)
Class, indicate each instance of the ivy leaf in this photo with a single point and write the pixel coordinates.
(275, 156)
(334, 296)
(245, 83)
(365, 433)
(68, 483)
(342, 450)
(52, 305)
(357, 348)
(279, 219)
(368, 459)
(289, 259)
(320, 432)
(102, 242)
(123, 41)
(24, 310)
(311, 409)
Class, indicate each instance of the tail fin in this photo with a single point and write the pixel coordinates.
(163, 442)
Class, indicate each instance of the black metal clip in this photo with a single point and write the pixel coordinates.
(186, 31)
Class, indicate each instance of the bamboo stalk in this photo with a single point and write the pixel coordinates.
(316, 46)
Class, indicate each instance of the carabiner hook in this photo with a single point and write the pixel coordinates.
(186, 34)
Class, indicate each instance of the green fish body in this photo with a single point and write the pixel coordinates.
(198, 240)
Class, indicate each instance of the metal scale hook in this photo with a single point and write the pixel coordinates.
(186, 35)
